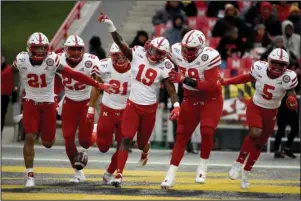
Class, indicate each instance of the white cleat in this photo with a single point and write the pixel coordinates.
(117, 180)
(30, 180)
(107, 178)
(201, 172)
(78, 177)
(143, 159)
(170, 178)
(244, 182)
(235, 170)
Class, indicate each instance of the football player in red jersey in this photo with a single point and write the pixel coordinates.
(273, 81)
(198, 71)
(37, 68)
(148, 67)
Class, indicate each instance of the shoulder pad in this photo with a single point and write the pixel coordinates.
(211, 57)
(289, 79)
(138, 48)
(52, 59)
(168, 64)
(20, 59)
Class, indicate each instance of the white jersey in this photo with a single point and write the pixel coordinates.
(38, 80)
(208, 59)
(269, 92)
(116, 100)
(75, 90)
(145, 77)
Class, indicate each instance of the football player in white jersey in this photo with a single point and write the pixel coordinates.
(198, 71)
(114, 70)
(75, 103)
(148, 67)
(273, 81)
(37, 68)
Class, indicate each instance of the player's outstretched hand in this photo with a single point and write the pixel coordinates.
(109, 88)
(222, 81)
(176, 77)
(102, 18)
(175, 113)
(292, 103)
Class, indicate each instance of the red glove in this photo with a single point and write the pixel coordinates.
(109, 88)
(90, 114)
(176, 77)
(175, 113)
(292, 103)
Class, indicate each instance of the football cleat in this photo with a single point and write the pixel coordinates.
(30, 180)
(107, 178)
(201, 172)
(244, 182)
(78, 177)
(235, 170)
(144, 157)
(170, 178)
(117, 180)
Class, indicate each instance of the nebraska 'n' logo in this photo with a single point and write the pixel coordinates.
(105, 114)
(201, 40)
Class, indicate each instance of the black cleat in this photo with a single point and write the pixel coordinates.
(289, 152)
(279, 155)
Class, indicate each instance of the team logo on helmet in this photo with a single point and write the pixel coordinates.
(168, 65)
(49, 62)
(88, 64)
(286, 78)
(205, 57)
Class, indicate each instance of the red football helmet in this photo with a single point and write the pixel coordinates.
(74, 48)
(192, 44)
(37, 46)
(278, 61)
(157, 50)
(119, 61)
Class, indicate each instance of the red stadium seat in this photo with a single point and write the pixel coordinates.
(247, 62)
(159, 29)
(211, 22)
(243, 4)
(243, 71)
(198, 22)
(225, 73)
(202, 11)
(214, 41)
(200, 4)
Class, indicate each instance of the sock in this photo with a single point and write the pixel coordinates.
(207, 142)
(121, 160)
(29, 170)
(253, 156)
(71, 151)
(178, 151)
(113, 165)
(244, 150)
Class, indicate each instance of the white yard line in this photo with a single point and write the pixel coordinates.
(156, 163)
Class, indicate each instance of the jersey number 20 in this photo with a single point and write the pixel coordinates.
(150, 75)
(268, 92)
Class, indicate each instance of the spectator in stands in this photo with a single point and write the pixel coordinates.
(7, 84)
(231, 45)
(214, 7)
(291, 40)
(259, 38)
(96, 48)
(165, 15)
(173, 34)
(189, 8)
(295, 17)
(140, 38)
(229, 21)
(269, 19)
(279, 43)
(251, 15)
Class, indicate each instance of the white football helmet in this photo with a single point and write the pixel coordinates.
(193, 44)
(74, 48)
(278, 61)
(37, 46)
(157, 50)
(119, 61)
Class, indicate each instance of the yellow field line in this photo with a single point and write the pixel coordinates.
(181, 180)
(69, 196)
(56, 170)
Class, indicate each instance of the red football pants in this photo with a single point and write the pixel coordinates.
(40, 117)
(257, 117)
(140, 119)
(74, 115)
(193, 112)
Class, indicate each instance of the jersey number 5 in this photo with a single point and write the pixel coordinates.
(67, 82)
(36, 81)
(150, 75)
(268, 92)
(118, 84)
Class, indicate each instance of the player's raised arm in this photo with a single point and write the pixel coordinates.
(126, 50)
(12, 70)
(241, 79)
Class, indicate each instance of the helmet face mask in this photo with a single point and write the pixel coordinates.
(278, 62)
(119, 61)
(192, 45)
(155, 55)
(37, 46)
(74, 48)
(189, 53)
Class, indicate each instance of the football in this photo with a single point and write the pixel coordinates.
(80, 161)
